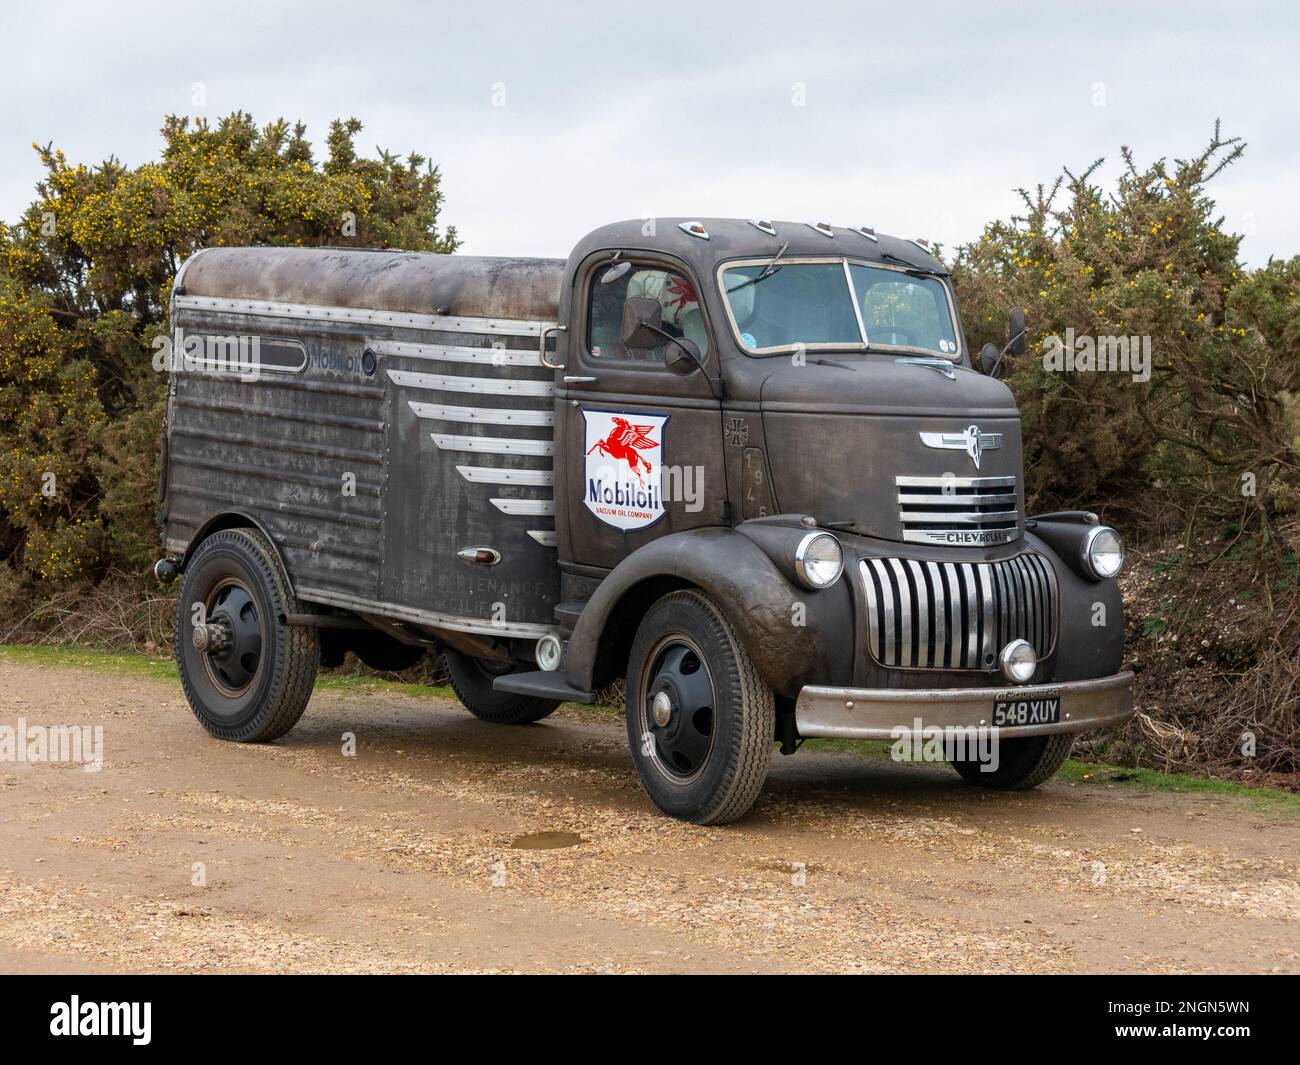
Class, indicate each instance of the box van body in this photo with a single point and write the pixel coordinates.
(748, 467)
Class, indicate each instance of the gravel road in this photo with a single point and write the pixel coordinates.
(447, 845)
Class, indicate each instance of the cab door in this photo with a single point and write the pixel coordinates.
(638, 446)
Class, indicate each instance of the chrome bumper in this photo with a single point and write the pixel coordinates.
(893, 713)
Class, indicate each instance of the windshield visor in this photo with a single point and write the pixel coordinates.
(837, 304)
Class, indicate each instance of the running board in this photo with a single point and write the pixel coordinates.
(542, 685)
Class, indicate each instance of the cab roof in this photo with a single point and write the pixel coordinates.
(705, 242)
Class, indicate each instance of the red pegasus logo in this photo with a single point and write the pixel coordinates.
(624, 442)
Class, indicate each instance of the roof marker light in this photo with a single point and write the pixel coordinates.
(868, 232)
(695, 229)
(822, 228)
(763, 227)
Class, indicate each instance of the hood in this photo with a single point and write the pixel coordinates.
(896, 451)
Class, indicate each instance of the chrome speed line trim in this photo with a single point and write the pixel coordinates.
(397, 319)
(537, 508)
(493, 445)
(493, 475)
(491, 386)
(449, 353)
(484, 415)
(545, 537)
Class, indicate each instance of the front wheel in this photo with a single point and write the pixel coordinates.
(700, 719)
(1022, 764)
(471, 680)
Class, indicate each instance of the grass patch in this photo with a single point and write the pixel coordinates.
(119, 662)
(126, 663)
(1274, 801)
(1271, 801)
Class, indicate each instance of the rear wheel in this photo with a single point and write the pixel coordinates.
(1022, 764)
(471, 680)
(246, 674)
(700, 720)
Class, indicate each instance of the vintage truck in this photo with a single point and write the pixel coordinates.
(749, 467)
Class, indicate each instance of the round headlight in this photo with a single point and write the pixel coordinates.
(1019, 660)
(819, 560)
(1103, 552)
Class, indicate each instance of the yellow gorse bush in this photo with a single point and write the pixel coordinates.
(85, 276)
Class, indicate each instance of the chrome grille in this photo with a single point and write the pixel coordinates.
(958, 511)
(957, 615)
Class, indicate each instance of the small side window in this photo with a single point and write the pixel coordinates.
(678, 300)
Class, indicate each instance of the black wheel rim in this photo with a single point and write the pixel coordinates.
(677, 709)
(233, 668)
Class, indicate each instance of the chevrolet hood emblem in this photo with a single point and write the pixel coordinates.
(969, 440)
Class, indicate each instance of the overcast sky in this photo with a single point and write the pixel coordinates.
(548, 119)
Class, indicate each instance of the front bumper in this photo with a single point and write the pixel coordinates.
(894, 713)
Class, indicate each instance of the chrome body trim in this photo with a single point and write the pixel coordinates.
(493, 356)
(537, 508)
(493, 445)
(949, 510)
(398, 319)
(957, 615)
(955, 482)
(495, 475)
(434, 620)
(491, 386)
(892, 713)
(483, 415)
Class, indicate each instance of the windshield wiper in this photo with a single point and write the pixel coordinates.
(912, 268)
(767, 271)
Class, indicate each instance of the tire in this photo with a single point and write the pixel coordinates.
(1022, 764)
(471, 680)
(256, 688)
(705, 759)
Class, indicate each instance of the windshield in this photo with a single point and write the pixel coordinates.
(836, 303)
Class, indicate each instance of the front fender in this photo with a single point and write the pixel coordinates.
(794, 636)
(1090, 636)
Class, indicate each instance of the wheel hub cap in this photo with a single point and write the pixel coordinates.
(661, 709)
(678, 700)
(230, 640)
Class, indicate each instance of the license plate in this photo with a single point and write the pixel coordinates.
(1009, 710)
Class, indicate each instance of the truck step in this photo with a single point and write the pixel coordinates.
(543, 685)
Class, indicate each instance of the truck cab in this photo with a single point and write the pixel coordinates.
(749, 467)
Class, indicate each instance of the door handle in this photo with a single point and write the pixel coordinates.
(542, 353)
(577, 379)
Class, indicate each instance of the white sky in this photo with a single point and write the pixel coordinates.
(920, 118)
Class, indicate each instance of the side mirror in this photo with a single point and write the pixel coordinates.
(1015, 332)
(615, 272)
(682, 356)
(643, 320)
(991, 360)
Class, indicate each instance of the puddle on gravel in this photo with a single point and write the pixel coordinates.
(546, 841)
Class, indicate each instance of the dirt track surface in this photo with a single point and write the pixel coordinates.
(403, 858)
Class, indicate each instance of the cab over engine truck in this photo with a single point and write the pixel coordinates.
(751, 467)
